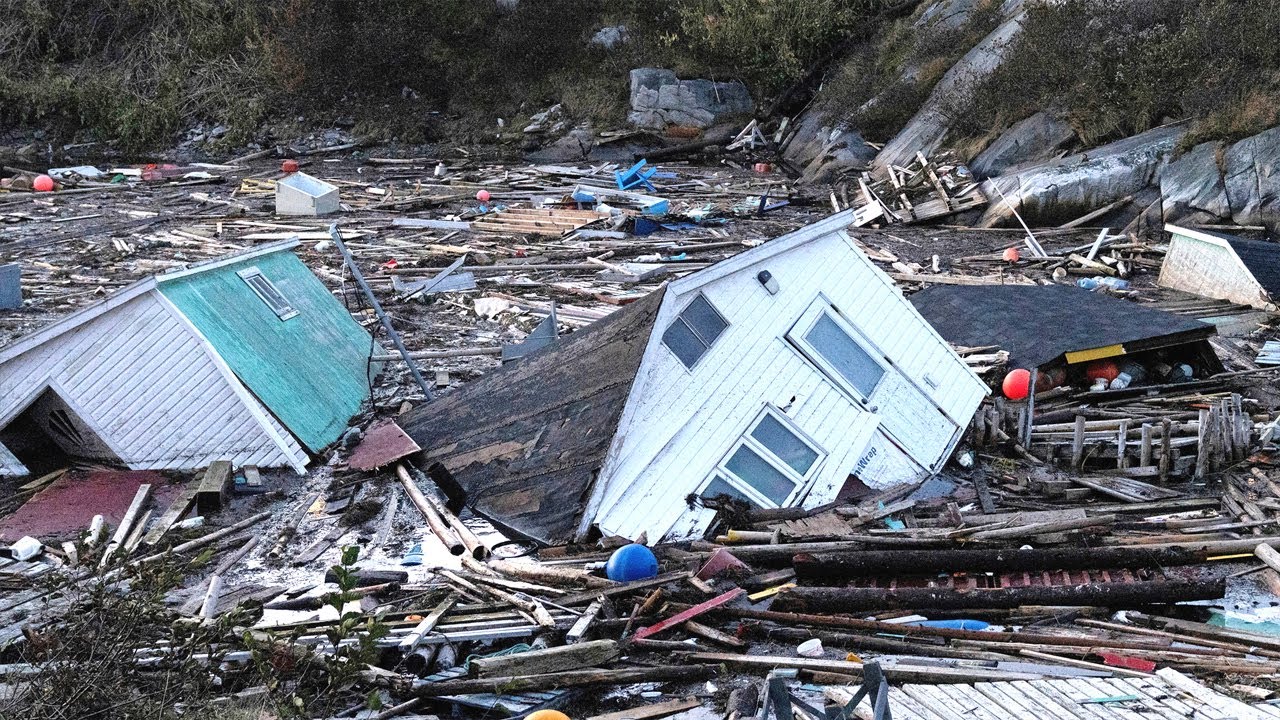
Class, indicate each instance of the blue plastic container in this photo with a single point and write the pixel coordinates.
(631, 562)
(954, 624)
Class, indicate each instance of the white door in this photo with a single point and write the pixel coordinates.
(908, 417)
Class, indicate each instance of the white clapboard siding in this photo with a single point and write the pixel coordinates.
(152, 389)
(678, 424)
(1208, 266)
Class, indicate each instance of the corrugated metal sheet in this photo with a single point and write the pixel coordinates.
(151, 390)
(310, 369)
(678, 424)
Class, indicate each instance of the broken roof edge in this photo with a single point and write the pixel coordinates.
(771, 248)
(36, 338)
(232, 259)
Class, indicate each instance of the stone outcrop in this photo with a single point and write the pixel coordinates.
(928, 129)
(823, 149)
(1039, 138)
(1061, 190)
(1213, 182)
(659, 99)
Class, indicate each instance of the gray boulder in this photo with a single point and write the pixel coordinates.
(659, 99)
(927, 130)
(1239, 183)
(1037, 139)
(824, 148)
(1061, 190)
(1192, 187)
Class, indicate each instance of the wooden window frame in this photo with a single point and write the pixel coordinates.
(806, 323)
(802, 482)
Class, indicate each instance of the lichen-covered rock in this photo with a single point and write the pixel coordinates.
(1239, 183)
(1061, 190)
(1037, 139)
(659, 99)
(928, 129)
(824, 149)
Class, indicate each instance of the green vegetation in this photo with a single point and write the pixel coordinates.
(1120, 68)
(137, 71)
(885, 81)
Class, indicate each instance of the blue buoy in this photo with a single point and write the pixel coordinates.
(631, 562)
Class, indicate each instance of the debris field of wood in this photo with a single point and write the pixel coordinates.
(1101, 553)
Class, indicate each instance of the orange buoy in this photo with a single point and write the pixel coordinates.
(546, 715)
(1012, 255)
(1017, 384)
(42, 183)
(289, 166)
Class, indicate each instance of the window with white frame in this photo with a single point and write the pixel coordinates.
(831, 343)
(769, 465)
(694, 331)
(268, 293)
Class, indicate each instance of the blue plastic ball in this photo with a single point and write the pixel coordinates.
(631, 562)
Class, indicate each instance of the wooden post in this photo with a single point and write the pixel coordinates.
(1202, 448)
(1166, 449)
(556, 659)
(126, 523)
(1122, 439)
(434, 521)
(1144, 455)
(214, 487)
(1077, 444)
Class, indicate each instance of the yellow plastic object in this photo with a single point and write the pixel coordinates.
(769, 592)
(852, 658)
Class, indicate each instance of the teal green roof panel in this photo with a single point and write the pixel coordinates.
(285, 336)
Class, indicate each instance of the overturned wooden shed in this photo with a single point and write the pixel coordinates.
(1221, 266)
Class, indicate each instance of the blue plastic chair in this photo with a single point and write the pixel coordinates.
(636, 175)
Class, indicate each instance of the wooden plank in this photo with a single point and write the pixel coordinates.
(176, 509)
(689, 614)
(214, 487)
(647, 712)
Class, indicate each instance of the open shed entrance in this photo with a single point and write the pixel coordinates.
(48, 435)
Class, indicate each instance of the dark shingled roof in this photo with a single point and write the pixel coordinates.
(526, 441)
(1039, 323)
(1263, 260)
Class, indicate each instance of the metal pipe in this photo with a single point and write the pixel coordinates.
(377, 309)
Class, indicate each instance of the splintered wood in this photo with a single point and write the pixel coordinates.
(924, 190)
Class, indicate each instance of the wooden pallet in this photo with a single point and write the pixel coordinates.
(533, 221)
(1171, 696)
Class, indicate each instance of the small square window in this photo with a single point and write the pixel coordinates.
(268, 293)
(694, 331)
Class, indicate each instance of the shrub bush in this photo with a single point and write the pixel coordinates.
(1123, 67)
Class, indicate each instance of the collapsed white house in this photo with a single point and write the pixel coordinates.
(775, 377)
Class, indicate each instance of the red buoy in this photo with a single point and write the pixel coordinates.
(1012, 255)
(1017, 384)
(42, 183)
(483, 196)
(1104, 369)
